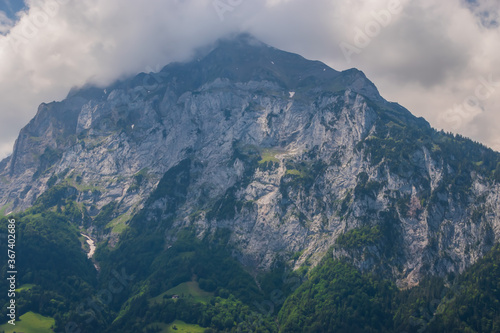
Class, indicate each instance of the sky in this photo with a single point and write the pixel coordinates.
(11, 7)
(439, 59)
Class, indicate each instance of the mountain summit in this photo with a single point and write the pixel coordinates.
(287, 156)
(227, 181)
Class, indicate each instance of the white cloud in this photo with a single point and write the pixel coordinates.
(429, 58)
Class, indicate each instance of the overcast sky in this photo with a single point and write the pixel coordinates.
(439, 59)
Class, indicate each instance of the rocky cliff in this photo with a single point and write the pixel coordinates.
(286, 153)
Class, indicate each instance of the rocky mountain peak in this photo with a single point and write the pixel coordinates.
(285, 153)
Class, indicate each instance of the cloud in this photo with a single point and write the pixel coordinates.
(486, 12)
(427, 56)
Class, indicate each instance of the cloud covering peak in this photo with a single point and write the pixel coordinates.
(433, 58)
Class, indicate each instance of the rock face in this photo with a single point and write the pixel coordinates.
(286, 153)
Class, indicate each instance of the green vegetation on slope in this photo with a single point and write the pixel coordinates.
(216, 298)
(338, 298)
(356, 238)
(177, 326)
(473, 303)
(30, 323)
(399, 141)
(55, 274)
(190, 290)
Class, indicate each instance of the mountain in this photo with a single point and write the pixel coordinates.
(239, 166)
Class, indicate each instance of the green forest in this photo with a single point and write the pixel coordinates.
(218, 295)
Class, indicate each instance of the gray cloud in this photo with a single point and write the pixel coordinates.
(429, 57)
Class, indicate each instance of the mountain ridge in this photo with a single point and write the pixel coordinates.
(267, 192)
(284, 152)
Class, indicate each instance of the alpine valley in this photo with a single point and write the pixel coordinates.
(248, 190)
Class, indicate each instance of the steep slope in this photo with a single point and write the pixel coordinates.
(338, 298)
(284, 153)
(471, 305)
